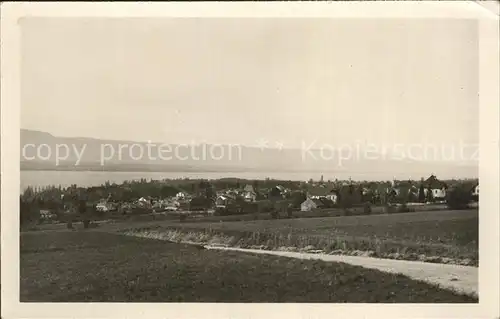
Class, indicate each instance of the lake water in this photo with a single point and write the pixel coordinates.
(95, 178)
(85, 179)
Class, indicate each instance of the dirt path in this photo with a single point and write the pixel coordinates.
(462, 279)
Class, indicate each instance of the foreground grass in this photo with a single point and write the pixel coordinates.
(443, 237)
(92, 266)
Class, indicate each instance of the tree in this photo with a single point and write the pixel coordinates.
(130, 194)
(199, 203)
(289, 211)
(391, 196)
(28, 212)
(168, 191)
(430, 196)
(259, 195)
(274, 214)
(82, 210)
(361, 194)
(209, 192)
(458, 198)
(202, 184)
(345, 198)
(421, 193)
(411, 196)
(298, 198)
(239, 200)
(275, 193)
(255, 185)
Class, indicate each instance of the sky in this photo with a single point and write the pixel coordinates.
(237, 81)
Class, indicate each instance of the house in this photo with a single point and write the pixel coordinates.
(223, 200)
(232, 193)
(104, 206)
(101, 207)
(318, 192)
(143, 203)
(437, 187)
(323, 192)
(439, 194)
(250, 196)
(308, 205)
(433, 183)
(47, 215)
(281, 189)
(405, 191)
(180, 195)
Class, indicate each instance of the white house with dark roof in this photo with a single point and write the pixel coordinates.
(323, 192)
(437, 187)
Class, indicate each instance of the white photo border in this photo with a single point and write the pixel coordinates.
(488, 172)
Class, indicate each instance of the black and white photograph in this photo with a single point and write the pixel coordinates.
(261, 159)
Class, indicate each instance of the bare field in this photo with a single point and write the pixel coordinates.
(83, 266)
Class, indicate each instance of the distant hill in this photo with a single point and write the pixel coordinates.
(233, 159)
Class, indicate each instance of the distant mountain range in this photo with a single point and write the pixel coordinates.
(92, 154)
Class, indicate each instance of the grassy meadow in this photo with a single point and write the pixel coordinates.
(437, 236)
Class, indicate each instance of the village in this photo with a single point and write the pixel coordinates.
(189, 198)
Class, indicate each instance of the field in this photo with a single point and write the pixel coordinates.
(438, 236)
(96, 266)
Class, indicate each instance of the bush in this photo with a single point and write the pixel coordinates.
(403, 208)
(389, 209)
(458, 198)
(200, 203)
(86, 223)
(367, 209)
(219, 211)
(274, 214)
(140, 211)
